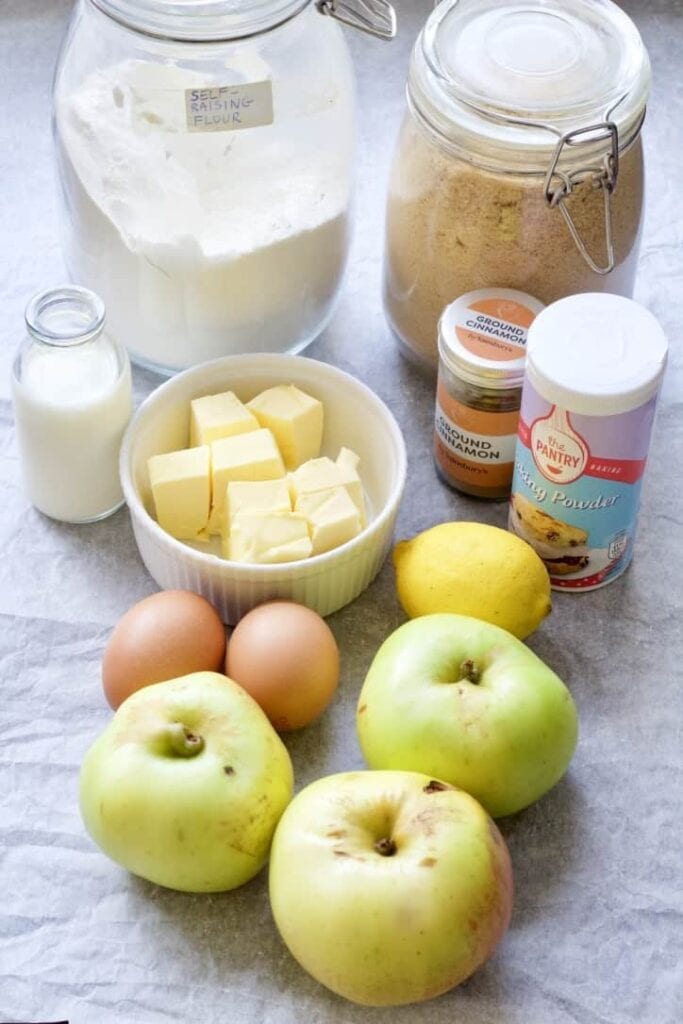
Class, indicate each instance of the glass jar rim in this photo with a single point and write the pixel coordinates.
(83, 312)
(494, 379)
(494, 131)
(200, 21)
(485, 383)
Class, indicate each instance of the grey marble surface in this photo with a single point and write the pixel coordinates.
(596, 936)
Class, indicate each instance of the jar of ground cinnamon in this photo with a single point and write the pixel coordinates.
(482, 349)
(519, 162)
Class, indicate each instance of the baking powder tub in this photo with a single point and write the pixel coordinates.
(594, 368)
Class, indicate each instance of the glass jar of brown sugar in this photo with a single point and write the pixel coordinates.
(482, 350)
(519, 163)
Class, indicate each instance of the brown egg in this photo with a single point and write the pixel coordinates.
(286, 657)
(166, 635)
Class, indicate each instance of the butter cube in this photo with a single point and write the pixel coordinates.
(257, 496)
(347, 464)
(252, 456)
(296, 420)
(266, 538)
(314, 475)
(216, 416)
(253, 496)
(348, 460)
(323, 474)
(332, 516)
(181, 488)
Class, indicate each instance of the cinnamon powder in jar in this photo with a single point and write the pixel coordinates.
(482, 352)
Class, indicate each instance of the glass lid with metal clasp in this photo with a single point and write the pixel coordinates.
(221, 20)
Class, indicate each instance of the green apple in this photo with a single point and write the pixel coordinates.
(186, 785)
(389, 887)
(467, 702)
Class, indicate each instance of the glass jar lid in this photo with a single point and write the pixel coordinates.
(483, 336)
(222, 20)
(504, 79)
(201, 20)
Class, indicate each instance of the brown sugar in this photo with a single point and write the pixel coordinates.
(453, 227)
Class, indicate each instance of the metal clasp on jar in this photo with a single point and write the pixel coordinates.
(558, 184)
(376, 17)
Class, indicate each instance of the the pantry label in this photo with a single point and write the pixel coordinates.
(229, 108)
(576, 488)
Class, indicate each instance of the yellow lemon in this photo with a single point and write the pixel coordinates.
(473, 569)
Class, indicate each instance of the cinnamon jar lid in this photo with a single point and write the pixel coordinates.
(483, 336)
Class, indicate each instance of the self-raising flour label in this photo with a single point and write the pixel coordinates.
(229, 108)
(576, 488)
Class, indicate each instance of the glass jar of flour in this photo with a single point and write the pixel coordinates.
(519, 163)
(206, 150)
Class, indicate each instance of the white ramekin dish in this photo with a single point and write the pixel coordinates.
(354, 417)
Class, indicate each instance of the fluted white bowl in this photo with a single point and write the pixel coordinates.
(354, 417)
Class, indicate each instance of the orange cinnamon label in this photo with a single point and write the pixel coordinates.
(495, 329)
(474, 447)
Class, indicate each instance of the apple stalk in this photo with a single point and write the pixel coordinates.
(182, 741)
(386, 847)
(469, 671)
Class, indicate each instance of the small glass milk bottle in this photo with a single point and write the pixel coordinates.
(72, 401)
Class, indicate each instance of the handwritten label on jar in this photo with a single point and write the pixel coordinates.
(229, 108)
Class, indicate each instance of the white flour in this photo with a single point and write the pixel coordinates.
(204, 244)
